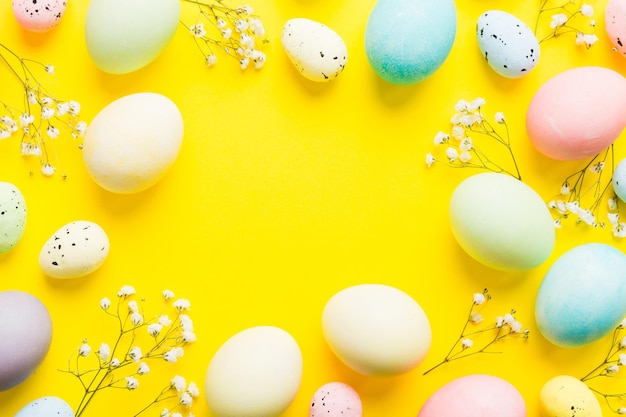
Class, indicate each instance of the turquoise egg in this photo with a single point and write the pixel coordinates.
(406, 41)
(581, 297)
(12, 216)
(619, 180)
(123, 36)
(501, 222)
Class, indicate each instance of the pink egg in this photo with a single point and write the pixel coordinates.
(25, 336)
(38, 15)
(336, 399)
(475, 396)
(577, 113)
(615, 20)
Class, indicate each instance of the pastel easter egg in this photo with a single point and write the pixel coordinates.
(46, 407)
(75, 250)
(406, 41)
(336, 399)
(619, 180)
(508, 45)
(475, 396)
(615, 24)
(255, 373)
(566, 396)
(376, 330)
(25, 336)
(501, 222)
(581, 297)
(12, 216)
(38, 15)
(132, 142)
(578, 113)
(317, 51)
(123, 36)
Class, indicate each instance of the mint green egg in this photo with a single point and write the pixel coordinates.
(123, 36)
(12, 216)
(501, 222)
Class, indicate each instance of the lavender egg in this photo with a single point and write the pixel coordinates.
(38, 16)
(25, 336)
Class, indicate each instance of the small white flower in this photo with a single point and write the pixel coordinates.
(259, 59)
(257, 27)
(241, 25)
(466, 144)
(193, 390)
(622, 359)
(104, 351)
(47, 169)
(135, 354)
(461, 105)
(452, 154)
(622, 325)
(63, 108)
(178, 383)
(154, 329)
(587, 39)
(499, 321)
(131, 383)
(586, 10)
(211, 59)
(465, 157)
(612, 203)
(185, 399)
(430, 159)
(509, 319)
(84, 350)
(165, 413)
(245, 9)
(227, 33)
(621, 410)
(177, 415)
(458, 132)
(74, 107)
(105, 303)
(49, 69)
(558, 20)
(136, 319)
(516, 327)
(26, 119)
(31, 97)
(126, 291)
(469, 120)
(198, 30)
(143, 368)
(479, 298)
(557, 223)
(441, 138)
(588, 217)
(46, 101)
(619, 230)
(221, 23)
(476, 318)
(188, 336)
(613, 218)
(168, 295)
(164, 320)
(466, 343)
(597, 167)
(182, 304)
(477, 103)
(499, 117)
(53, 132)
(173, 354)
(4, 134)
(243, 63)
(47, 113)
(611, 369)
(114, 363)
(80, 129)
(592, 23)
(133, 307)
(565, 188)
(185, 322)
(9, 123)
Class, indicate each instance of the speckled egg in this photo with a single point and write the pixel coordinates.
(406, 41)
(578, 113)
(123, 36)
(566, 396)
(25, 336)
(615, 24)
(132, 143)
(317, 51)
(376, 329)
(336, 399)
(46, 407)
(508, 45)
(38, 15)
(475, 396)
(619, 180)
(255, 373)
(75, 250)
(12, 216)
(581, 297)
(501, 222)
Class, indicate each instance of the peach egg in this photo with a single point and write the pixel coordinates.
(615, 19)
(38, 15)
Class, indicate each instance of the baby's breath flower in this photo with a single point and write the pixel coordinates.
(467, 343)
(430, 159)
(115, 362)
(198, 30)
(452, 154)
(621, 410)
(193, 390)
(441, 138)
(612, 369)
(173, 355)
(126, 291)
(143, 369)
(179, 383)
(586, 10)
(131, 383)
(567, 20)
(499, 117)
(136, 319)
(479, 298)
(104, 351)
(154, 329)
(558, 19)
(135, 354)
(168, 295)
(47, 169)
(164, 320)
(84, 350)
(182, 304)
(105, 303)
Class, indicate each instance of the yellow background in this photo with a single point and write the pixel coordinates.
(285, 192)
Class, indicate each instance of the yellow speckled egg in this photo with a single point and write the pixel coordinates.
(566, 396)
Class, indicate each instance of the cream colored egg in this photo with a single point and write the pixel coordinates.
(566, 396)
(133, 142)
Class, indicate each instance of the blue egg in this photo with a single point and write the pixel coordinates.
(408, 40)
(582, 296)
(619, 180)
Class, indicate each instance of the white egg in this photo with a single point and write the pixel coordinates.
(46, 407)
(376, 329)
(132, 142)
(316, 50)
(255, 373)
(75, 250)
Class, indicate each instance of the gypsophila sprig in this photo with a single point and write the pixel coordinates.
(142, 339)
(611, 368)
(465, 145)
(566, 17)
(234, 31)
(476, 337)
(41, 117)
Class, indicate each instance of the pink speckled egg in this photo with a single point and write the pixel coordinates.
(38, 15)
(615, 20)
(336, 399)
(25, 336)
(577, 113)
(475, 396)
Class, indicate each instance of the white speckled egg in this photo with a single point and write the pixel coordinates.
(615, 20)
(38, 15)
(75, 250)
(12, 216)
(25, 336)
(317, 51)
(46, 407)
(619, 180)
(123, 36)
(132, 142)
(255, 373)
(581, 297)
(509, 46)
(336, 399)
(501, 222)
(377, 330)
(566, 396)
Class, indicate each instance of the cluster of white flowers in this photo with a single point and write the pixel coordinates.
(237, 31)
(567, 20)
(41, 117)
(141, 339)
(462, 148)
(505, 326)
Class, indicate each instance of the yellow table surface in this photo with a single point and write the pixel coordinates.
(285, 192)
